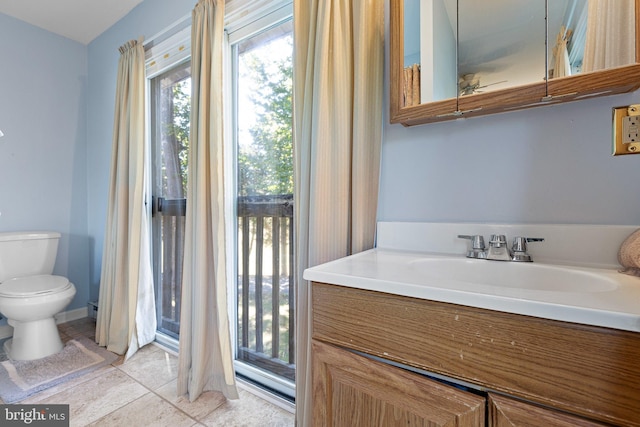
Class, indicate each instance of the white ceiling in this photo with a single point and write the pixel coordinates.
(79, 20)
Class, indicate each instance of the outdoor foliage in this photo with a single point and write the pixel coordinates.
(265, 164)
(178, 129)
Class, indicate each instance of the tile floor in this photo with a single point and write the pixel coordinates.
(142, 392)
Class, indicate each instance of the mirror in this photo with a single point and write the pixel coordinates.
(586, 36)
(430, 62)
(463, 47)
(453, 57)
(498, 50)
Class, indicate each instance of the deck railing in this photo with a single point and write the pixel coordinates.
(168, 254)
(265, 278)
(266, 284)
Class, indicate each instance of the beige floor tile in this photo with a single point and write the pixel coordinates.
(148, 410)
(85, 327)
(94, 399)
(144, 352)
(120, 394)
(248, 411)
(151, 366)
(208, 401)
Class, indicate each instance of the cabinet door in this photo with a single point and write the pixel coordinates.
(353, 391)
(505, 412)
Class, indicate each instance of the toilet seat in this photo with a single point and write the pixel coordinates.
(41, 285)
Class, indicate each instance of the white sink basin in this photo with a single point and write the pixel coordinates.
(586, 295)
(529, 276)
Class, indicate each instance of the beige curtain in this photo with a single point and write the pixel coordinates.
(562, 65)
(205, 359)
(126, 308)
(338, 84)
(610, 39)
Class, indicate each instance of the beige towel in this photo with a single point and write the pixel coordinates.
(629, 254)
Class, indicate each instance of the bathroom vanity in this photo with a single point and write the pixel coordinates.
(393, 345)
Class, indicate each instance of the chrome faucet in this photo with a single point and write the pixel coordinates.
(477, 246)
(519, 248)
(498, 249)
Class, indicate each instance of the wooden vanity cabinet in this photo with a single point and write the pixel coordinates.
(353, 391)
(586, 372)
(506, 412)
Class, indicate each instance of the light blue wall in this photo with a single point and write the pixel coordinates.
(548, 164)
(43, 155)
(147, 19)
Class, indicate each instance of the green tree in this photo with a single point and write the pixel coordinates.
(265, 166)
(178, 127)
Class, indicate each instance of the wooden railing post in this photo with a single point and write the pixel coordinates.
(275, 288)
(258, 299)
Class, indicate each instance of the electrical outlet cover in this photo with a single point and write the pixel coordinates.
(626, 130)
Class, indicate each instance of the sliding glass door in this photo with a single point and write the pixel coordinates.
(264, 189)
(170, 94)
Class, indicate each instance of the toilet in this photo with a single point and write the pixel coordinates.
(30, 296)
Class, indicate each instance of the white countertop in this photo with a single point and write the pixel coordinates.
(392, 271)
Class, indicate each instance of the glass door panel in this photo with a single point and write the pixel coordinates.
(170, 96)
(265, 287)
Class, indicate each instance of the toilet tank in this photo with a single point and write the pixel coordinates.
(27, 253)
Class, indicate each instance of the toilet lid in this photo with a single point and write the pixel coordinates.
(33, 285)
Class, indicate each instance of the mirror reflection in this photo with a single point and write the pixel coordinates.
(497, 50)
(429, 51)
(501, 43)
(590, 35)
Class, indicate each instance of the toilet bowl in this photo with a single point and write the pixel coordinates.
(30, 296)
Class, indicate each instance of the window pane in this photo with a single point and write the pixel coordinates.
(265, 202)
(265, 157)
(171, 95)
(170, 118)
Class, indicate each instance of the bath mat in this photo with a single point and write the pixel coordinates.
(20, 379)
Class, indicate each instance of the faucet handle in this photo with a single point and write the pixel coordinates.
(519, 248)
(477, 246)
(498, 240)
(520, 243)
(477, 240)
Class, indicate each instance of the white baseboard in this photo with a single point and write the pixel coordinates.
(6, 331)
(68, 316)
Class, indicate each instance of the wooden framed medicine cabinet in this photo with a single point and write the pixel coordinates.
(545, 90)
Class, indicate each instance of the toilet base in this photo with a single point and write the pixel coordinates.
(33, 340)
